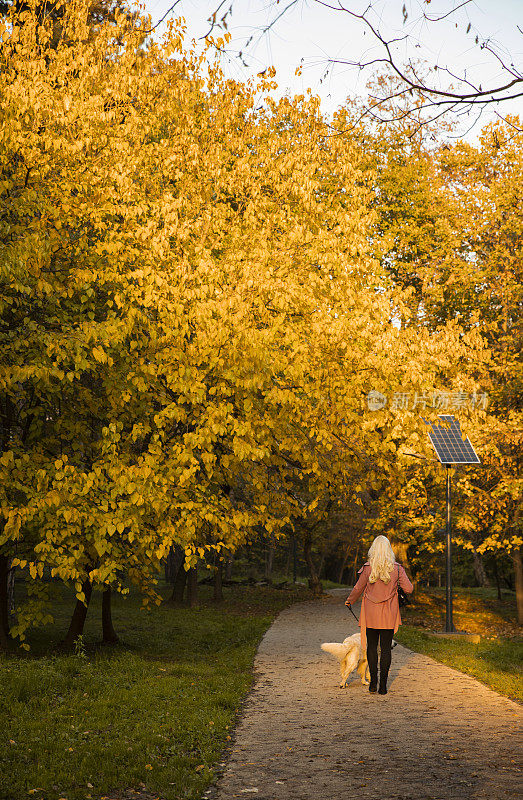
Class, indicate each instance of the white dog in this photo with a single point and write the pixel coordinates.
(351, 657)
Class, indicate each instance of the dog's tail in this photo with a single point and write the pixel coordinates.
(337, 649)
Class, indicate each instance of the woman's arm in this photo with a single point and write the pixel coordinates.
(358, 588)
(405, 584)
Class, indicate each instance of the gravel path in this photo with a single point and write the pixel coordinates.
(437, 734)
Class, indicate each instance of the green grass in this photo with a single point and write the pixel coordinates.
(475, 610)
(153, 715)
(334, 585)
(496, 661)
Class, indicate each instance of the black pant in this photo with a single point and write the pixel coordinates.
(384, 636)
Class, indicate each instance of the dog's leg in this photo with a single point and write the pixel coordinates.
(362, 670)
(345, 669)
(343, 681)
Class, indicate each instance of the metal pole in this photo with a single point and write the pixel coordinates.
(449, 625)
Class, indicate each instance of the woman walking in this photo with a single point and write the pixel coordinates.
(380, 610)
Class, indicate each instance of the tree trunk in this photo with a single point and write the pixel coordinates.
(192, 587)
(76, 626)
(4, 602)
(322, 562)
(518, 580)
(5, 641)
(509, 581)
(314, 582)
(269, 560)
(170, 566)
(180, 582)
(496, 575)
(288, 562)
(228, 568)
(479, 570)
(344, 563)
(179, 579)
(11, 590)
(355, 566)
(217, 583)
(109, 635)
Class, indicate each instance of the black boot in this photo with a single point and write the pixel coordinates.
(383, 682)
(373, 685)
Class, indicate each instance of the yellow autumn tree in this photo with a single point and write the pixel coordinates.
(161, 286)
(191, 315)
(450, 232)
(487, 183)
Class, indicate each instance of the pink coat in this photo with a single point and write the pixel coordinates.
(380, 606)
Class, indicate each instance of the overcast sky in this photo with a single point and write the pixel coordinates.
(310, 34)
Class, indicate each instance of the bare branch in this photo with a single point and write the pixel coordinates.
(430, 18)
(475, 96)
(264, 31)
(451, 92)
(433, 97)
(212, 19)
(171, 8)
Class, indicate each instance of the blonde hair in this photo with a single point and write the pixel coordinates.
(381, 560)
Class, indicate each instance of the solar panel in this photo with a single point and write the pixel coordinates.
(449, 444)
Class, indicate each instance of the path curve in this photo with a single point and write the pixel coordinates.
(437, 735)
